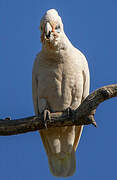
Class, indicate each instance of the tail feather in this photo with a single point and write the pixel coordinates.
(62, 165)
(60, 145)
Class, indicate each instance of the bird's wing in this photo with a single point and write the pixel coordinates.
(35, 88)
(86, 86)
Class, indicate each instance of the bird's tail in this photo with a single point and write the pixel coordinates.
(62, 164)
(60, 145)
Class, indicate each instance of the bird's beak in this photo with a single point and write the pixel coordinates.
(48, 30)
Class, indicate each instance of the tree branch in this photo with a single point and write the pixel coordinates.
(83, 115)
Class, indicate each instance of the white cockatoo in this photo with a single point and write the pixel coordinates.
(60, 80)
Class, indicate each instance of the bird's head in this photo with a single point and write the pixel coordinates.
(51, 28)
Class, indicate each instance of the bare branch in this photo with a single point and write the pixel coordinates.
(83, 115)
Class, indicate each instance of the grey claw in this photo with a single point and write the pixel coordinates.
(70, 113)
(8, 118)
(46, 117)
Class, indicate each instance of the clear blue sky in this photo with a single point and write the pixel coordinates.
(91, 25)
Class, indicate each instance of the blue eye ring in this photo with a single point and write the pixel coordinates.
(57, 28)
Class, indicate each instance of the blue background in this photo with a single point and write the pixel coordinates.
(92, 27)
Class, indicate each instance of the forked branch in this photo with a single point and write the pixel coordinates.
(83, 115)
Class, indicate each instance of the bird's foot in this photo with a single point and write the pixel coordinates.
(8, 118)
(46, 117)
(70, 113)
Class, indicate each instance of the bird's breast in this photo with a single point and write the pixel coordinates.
(56, 84)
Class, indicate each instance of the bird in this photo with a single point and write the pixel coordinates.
(60, 80)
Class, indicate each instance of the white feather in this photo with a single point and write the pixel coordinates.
(60, 80)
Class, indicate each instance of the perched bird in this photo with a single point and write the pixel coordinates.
(60, 80)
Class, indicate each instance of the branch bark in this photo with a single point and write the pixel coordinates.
(83, 115)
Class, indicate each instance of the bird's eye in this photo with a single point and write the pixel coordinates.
(57, 28)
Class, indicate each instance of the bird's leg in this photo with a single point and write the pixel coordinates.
(46, 117)
(70, 113)
(44, 110)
